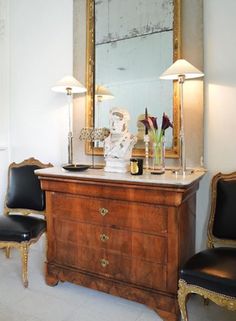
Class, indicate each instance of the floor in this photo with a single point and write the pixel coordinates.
(69, 302)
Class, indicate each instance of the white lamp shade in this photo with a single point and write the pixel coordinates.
(70, 83)
(181, 68)
(102, 93)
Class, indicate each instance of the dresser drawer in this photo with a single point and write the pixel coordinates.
(108, 264)
(135, 244)
(122, 214)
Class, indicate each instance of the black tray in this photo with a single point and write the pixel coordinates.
(75, 167)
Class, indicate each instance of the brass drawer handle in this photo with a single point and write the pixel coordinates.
(103, 211)
(104, 237)
(104, 262)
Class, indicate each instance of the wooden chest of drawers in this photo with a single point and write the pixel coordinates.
(122, 237)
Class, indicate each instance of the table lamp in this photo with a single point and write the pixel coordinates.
(182, 70)
(69, 85)
(102, 93)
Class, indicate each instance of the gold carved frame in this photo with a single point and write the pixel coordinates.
(211, 239)
(186, 289)
(90, 81)
(23, 247)
(26, 162)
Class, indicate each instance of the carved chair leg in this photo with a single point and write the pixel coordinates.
(24, 257)
(7, 252)
(182, 298)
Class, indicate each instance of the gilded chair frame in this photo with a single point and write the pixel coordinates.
(23, 247)
(23, 211)
(186, 289)
(211, 239)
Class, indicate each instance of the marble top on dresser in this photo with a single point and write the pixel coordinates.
(168, 178)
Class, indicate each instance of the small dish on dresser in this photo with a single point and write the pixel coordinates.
(75, 167)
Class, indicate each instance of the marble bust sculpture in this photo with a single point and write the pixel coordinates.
(119, 144)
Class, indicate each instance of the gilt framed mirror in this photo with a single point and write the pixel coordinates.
(130, 43)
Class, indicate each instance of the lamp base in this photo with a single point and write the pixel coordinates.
(75, 167)
(182, 172)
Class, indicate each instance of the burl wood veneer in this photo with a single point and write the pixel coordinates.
(126, 238)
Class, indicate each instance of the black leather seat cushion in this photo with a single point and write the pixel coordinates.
(212, 269)
(24, 189)
(19, 228)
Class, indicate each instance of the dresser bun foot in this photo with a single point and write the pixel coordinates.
(51, 280)
(167, 316)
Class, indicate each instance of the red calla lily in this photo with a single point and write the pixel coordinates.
(151, 125)
(166, 123)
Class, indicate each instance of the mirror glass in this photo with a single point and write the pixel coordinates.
(130, 44)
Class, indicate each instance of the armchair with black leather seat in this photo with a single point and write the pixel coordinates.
(212, 273)
(18, 227)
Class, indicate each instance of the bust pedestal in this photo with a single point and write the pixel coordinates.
(116, 165)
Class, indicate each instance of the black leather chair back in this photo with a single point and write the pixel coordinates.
(24, 189)
(224, 226)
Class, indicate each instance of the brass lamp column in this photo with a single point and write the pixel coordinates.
(182, 70)
(69, 85)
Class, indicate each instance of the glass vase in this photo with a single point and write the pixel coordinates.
(158, 157)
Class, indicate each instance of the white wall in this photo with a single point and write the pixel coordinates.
(220, 99)
(4, 96)
(220, 84)
(36, 49)
(4, 74)
(41, 50)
